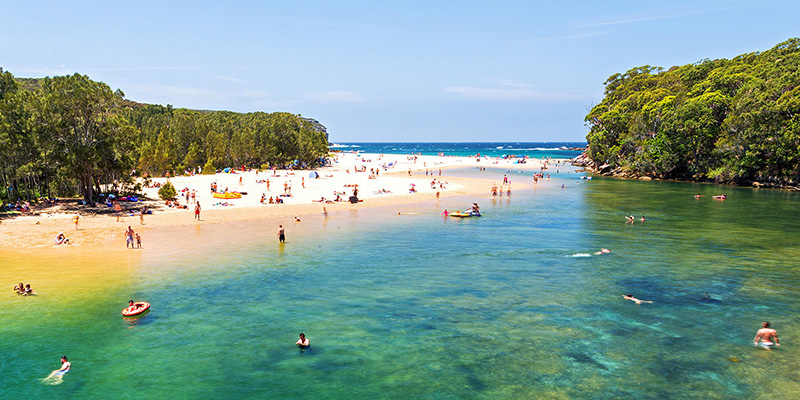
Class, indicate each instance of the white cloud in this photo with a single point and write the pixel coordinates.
(517, 94)
(336, 96)
(509, 83)
(229, 79)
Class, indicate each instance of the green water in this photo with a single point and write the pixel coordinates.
(510, 305)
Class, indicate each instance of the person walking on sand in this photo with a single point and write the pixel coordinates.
(197, 211)
(138, 241)
(75, 219)
(141, 215)
(766, 337)
(281, 234)
(117, 210)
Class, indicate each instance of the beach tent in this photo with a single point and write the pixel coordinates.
(313, 174)
(226, 170)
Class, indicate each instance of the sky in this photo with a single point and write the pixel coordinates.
(379, 71)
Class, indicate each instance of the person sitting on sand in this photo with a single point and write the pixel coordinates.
(61, 239)
(634, 299)
(766, 337)
(303, 342)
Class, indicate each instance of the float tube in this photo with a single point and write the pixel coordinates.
(228, 195)
(143, 306)
(463, 214)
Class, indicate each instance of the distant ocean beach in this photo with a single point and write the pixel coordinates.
(400, 302)
(559, 150)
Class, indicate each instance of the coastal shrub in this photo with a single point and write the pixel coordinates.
(167, 192)
(209, 169)
(733, 121)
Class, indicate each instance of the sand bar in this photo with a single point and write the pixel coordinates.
(396, 176)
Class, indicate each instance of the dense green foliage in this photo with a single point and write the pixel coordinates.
(70, 135)
(732, 120)
(167, 191)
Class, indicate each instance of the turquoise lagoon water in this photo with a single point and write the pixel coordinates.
(511, 305)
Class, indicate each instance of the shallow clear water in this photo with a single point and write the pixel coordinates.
(514, 304)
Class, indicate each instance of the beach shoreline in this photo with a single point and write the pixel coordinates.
(390, 186)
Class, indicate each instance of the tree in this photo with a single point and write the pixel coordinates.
(167, 192)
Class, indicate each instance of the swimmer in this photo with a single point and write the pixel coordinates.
(630, 218)
(697, 196)
(642, 219)
(27, 291)
(634, 299)
(603, 251)
(303, 342)
(65, 366)
(766, 337)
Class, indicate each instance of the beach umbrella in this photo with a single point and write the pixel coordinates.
(412, 184)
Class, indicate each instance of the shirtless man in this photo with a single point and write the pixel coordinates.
(281, 234)
(303, 341)
(65, 366)
(634, 299)
(129, 237)
(766, 337)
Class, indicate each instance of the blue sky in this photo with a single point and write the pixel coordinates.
(385, 71)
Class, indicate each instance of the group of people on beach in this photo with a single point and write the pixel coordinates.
(24, 290)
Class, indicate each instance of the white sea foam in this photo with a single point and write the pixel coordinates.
(581, 255)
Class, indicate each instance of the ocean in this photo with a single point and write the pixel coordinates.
(514, 304)
(492, 149)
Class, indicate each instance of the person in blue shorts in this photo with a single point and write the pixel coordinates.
(65, 366)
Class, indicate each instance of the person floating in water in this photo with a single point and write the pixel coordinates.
(766, 337)
(65, 367)
(303, 342)
(634, 299)
(603, 251)
(132, 306)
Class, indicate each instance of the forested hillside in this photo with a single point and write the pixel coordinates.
(69, 135)
(734, 120)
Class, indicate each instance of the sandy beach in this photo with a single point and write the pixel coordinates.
(381, 180)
